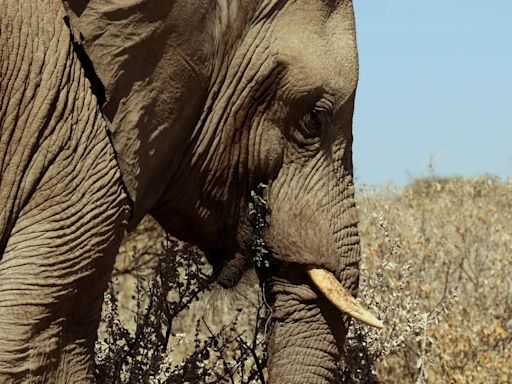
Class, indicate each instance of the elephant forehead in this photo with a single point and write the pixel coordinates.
(316, 41)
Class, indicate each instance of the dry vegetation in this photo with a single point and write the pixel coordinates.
(437, 260)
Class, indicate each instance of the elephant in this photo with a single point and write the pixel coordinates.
(115, 109)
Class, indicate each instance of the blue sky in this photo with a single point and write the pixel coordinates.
(435, 78)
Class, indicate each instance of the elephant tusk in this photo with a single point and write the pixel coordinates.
(331, 288)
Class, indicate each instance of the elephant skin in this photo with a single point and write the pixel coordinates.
(114, 109)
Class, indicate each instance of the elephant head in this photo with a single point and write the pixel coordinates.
(207, 101)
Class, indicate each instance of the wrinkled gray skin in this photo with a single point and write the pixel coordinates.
(204, 101)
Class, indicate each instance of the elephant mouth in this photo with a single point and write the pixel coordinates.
(230, 272)
(324, 281)
(339, 297)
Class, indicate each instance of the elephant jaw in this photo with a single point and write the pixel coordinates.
(333, 291)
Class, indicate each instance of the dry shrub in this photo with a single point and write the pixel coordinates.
(436, 269)
(436, 264)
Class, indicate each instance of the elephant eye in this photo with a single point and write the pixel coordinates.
(316, 119)
(311, 128)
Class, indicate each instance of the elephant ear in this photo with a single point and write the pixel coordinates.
(150, 57)
(122, 40)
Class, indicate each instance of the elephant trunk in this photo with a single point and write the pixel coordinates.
(311, 291)
(309, 327)
(302, 344)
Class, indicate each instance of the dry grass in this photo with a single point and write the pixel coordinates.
(437, 260)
